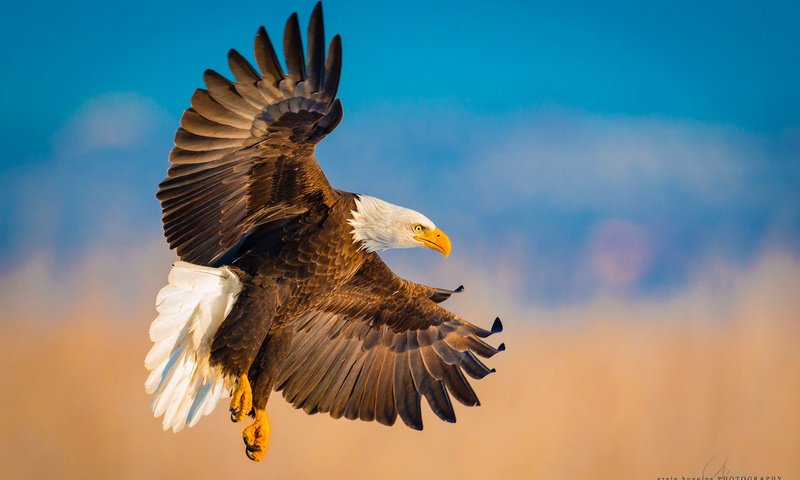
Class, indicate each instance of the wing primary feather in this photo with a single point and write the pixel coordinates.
(247, 79)
(206, 106)
(333, 68)
(459, 387)
(406, 395)
(497, 326)
(316, 48)
(482, 348)
(198, 143)
(224, 92)
(432, 389)
(385, 409)
(266, 58)
(199, 125)
(474, 367)
(241, 68)
(293, 50)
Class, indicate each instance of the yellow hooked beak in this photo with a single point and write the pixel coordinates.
(435, 239)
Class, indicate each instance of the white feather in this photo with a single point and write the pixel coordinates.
(380, 225)
(190, 310)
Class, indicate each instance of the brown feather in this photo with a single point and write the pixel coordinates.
(385, 410)
(198, 143)
(351, 410)
(366, 410)
(293, 50)
(412, 348)
(199, 125)
(406, 395)
(316, 50)
(206, 106)
(267, 60)
(223, 91)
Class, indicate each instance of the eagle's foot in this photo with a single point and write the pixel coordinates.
(242, 399)
(256, 437)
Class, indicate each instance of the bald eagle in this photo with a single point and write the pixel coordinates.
(279, 286)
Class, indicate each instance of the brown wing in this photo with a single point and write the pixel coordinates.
(378, 346)
(244, 155)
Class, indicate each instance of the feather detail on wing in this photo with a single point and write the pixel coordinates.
(244, 153)
(378, 346)
(190, 310)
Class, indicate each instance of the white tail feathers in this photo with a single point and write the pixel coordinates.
(190, 310)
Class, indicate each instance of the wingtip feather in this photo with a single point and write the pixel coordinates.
(497, 326)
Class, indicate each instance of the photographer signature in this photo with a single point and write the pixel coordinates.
(717, 468)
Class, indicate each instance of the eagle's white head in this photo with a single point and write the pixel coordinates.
(379, 225)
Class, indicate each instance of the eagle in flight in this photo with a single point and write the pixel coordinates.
(279, 286)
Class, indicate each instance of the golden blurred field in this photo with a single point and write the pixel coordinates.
(615, 388)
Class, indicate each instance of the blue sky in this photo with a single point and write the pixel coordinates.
(730, 62)
(597, 145)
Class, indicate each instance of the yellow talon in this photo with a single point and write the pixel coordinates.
(242, 399)
(256, 437)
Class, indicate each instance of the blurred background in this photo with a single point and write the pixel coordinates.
(621, 183)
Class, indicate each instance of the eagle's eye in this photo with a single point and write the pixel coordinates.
(418, 228)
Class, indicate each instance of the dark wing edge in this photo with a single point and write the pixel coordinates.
(372, 356)
(243, 155)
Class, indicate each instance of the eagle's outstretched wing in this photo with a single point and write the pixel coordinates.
(244, 154)
(379, 345)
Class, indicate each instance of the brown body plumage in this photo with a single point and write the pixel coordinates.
(319, 317)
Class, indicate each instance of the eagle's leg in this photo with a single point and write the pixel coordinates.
(256, 436)
(238, 339)
(264, 373)
(242, 399)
